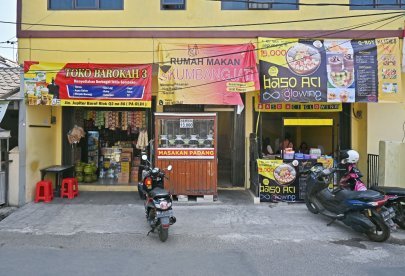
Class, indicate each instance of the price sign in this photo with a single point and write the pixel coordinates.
(186, 123)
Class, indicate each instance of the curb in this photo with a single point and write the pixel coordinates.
(6, 211)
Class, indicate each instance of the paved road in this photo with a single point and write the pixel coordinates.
(106, 235)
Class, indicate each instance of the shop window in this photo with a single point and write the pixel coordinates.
(259, 5)
(173, 4)
(377, 4)
(86, 4)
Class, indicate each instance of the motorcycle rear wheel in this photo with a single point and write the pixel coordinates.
(163, 233)
(310, 205)
(400, 214)
(382, 232)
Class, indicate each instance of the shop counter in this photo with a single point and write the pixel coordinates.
(188, 142)
(280, 180)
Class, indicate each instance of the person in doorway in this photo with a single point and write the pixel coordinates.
(267, 150)
(286, 143)
(304, 148)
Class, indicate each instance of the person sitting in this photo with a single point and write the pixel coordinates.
(286, 143)
(267, 150)
(304, 148)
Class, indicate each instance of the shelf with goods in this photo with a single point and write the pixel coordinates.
(115, 149)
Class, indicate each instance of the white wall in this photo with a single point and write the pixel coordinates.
(385, 122)
(13, 177)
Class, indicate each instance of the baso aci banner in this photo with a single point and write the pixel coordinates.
(87, 84)
(206, 73)
(305, 70)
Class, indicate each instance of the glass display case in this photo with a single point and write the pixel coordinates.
(186, 133)
(188, 142)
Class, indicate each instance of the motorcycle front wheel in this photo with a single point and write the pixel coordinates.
(310, 205)
(382, 232)
(163, 233)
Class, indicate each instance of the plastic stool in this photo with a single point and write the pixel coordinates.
(69, 188)
(44, 191)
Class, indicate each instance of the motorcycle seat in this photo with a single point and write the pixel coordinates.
(159, 192)
(389, 190)
(368, 195)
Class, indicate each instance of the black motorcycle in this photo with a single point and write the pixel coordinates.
(395, 195)
(396, 200)
(157, 200)
(363, 211)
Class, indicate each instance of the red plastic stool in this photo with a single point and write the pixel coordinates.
(44, 191)
(69, 188)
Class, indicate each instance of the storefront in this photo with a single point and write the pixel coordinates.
(211, 78)
(308, 87)
(105, 116)
(311, 137)
(110, 151)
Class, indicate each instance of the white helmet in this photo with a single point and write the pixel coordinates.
(351, 157)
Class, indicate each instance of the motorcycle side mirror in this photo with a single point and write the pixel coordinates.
(144, 157)
(169, 168)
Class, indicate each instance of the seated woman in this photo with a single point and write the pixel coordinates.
(266, 148)
(304, 148)
(286, 143)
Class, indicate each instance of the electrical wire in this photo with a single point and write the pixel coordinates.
(244, 75)
(208, 46)
(277, 45)
(201, 27)
(403, 129)
(297, 3)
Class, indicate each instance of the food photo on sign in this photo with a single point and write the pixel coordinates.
(87, 84)
(292, 70)
(335, 71)
(278, 180)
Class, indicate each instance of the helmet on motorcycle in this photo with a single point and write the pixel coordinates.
(350, 156)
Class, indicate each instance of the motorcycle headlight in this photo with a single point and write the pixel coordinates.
(163, 205)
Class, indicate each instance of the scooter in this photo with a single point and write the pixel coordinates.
(363, 211)
(157, 200)
(396, 201)
(352, 180)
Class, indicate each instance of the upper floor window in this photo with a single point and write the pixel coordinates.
(86, 4)
(377, 4)
(259, 5)
(173, 4)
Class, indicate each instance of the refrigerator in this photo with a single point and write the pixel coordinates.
(92, 147)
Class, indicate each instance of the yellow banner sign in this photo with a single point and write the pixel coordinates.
(297, 107)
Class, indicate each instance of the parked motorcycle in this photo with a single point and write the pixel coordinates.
(363, 211)
(352, 180)
(157, 200)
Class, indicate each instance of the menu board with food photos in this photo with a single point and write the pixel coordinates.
(335, 71)
(278, 181)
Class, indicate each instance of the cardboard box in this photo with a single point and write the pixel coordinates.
(126, 156)
(123, 178)
(136, 161)
(134, 176)
(125, 167)
(130, 150)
